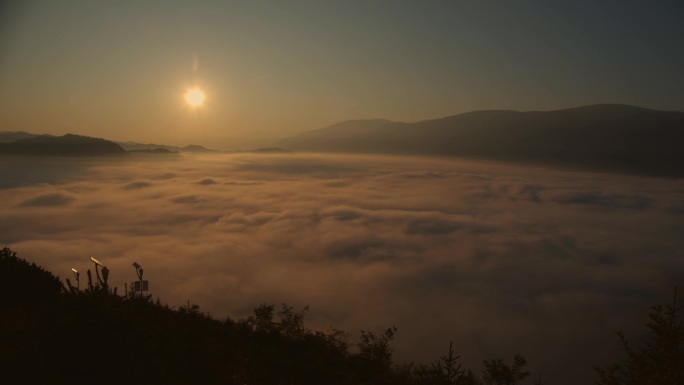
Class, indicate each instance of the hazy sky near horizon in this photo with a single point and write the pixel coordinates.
(270, 69)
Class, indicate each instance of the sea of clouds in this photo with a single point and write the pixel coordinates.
(497, 258)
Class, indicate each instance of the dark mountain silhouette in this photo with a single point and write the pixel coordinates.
(342, 133)
(193, 148)
(11, 136)
(133, 146)
(196, 148)
(269, 150)
(160, 151)
(27, 144)
(599, 137)
(66, 145)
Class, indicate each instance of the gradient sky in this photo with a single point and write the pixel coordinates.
(272, 68)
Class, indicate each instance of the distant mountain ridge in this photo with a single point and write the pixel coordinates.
(604, 137)
(11, 136)
(133, 146)
(160, 151)
(26, 144)
(193, 148)
(66, 145)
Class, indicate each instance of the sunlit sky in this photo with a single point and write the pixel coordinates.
(269, 69)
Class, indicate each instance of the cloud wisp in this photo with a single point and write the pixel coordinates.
(497, 258)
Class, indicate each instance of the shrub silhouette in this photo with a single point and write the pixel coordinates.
(660, 361)
(446, 371)
(24, 283)
(50, 333)
(55, 334)
(498, 373)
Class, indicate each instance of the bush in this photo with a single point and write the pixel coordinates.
(660, 361)
(24, 283)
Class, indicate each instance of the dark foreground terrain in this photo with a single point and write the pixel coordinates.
(56, 333)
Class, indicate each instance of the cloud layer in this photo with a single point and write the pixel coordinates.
(499, 259)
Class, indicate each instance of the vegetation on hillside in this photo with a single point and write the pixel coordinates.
(659, 361)
(55, 333)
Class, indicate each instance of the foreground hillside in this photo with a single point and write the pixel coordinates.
(598, 137)
(55, 333)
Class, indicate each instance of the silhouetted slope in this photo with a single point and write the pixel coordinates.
(133, 146)
(11, 136)
(268, 150)
(67, 145)
(616, 137)
(51, 334)
(336, 135)
(23, 283)
(158, 151)
(61, 335)
(195, 148)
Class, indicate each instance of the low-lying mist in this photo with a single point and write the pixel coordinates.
(497, 258)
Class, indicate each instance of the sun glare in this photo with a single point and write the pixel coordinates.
(195, 97)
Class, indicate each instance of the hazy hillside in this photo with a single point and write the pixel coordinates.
(608, 136)
(158, 151)
(27, 144)
(11, 136)
(133, 146)
(193, 148)
(66, 145)
(337, 134)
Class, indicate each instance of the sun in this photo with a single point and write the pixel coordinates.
(195, 97)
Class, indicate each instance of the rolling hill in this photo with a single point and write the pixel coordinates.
(66, 145)
(193, 148)
(600, 137)
(11, 136)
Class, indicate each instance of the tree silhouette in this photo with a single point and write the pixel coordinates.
(63, 335)
(24, 283)
(376, 348)
(262, 319)
(498, 373)
(446, 371)
(660, 361)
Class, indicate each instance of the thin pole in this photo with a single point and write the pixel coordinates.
(674, 300)
(140, 275)
(97, 273)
